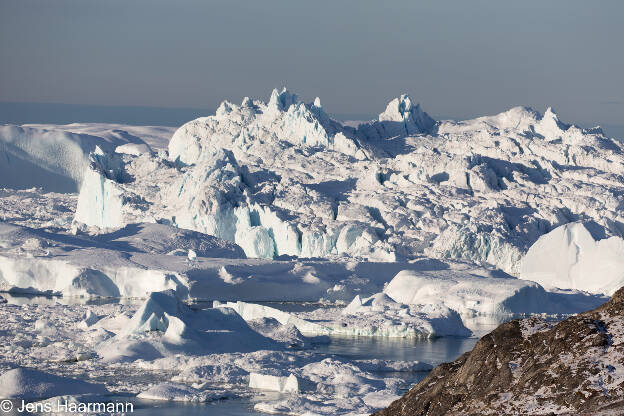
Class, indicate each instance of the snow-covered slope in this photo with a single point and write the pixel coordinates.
(156, 137)
(284, 179)
(55, 157)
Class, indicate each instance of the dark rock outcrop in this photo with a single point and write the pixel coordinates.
(531, 366)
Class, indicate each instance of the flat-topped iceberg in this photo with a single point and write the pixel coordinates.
(494, 295)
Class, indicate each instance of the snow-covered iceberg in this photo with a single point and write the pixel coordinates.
(181, 393)
(129, 262)
(569, 257)
(165, 326)
(52, 157)
(489, 294)
(376, 316)
(283, 179)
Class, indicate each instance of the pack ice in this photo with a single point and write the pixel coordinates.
(403, 226)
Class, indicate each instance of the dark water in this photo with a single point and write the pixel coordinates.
(434, 351)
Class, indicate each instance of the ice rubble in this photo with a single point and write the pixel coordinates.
(28, 383)
(284, 179)
(311, 383)
(374, 316)
(182, 393)
(570, 257)
(53, 346)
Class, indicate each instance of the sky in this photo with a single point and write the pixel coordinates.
(459, 59)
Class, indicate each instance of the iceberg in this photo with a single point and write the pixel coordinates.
(488, 294)
(164, 326)
(289, 384)
(50, 157)
(376, 316)
(282, 179)
(181, 393)
(569, 257)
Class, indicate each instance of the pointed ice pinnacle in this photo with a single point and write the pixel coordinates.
(551, 119)
(411, 116)
(282, 100)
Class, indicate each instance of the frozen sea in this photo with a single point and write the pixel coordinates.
(432, 351)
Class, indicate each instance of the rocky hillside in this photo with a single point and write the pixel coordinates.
(531, 366)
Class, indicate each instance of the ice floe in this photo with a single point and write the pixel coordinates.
(28, 383)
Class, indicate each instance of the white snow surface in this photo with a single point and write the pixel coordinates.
(570, 258)
(156, 137)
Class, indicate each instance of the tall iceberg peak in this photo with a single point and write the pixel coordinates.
(400, 119)
(402, 110)
(281, 101)
(550, 121)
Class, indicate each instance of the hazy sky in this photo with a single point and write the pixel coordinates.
(457, 58)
